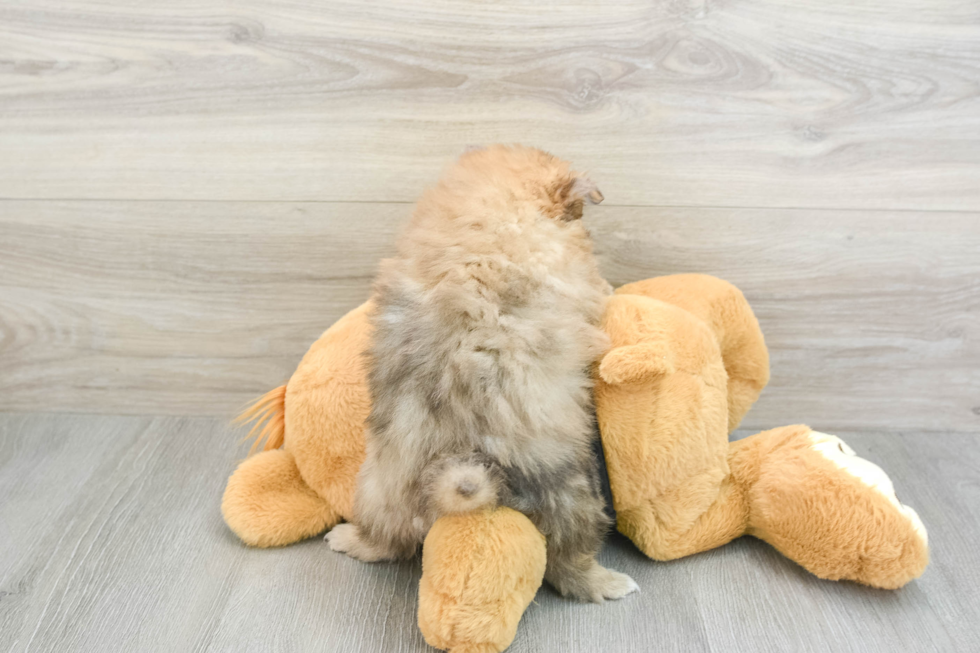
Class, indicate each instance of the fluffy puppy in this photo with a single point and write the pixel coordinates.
(487, 323)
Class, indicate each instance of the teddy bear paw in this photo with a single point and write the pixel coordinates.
(838, 452)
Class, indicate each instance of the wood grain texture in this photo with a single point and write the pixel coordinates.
(872, 318)
(112, 541)
(854, 126)
(817, 103)
(174, 308)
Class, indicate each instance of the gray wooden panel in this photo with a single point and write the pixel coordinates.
(173, 308)
(820, 103)
(873, 318)
(112, 541)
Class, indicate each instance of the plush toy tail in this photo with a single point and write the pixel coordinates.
(269, 410)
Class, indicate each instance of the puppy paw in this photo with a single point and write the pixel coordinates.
(342, 538)
(609, 584)
(346, 538)
(594, 584)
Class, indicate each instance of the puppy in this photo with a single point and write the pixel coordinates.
(485, 329)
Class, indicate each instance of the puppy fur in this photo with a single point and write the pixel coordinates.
(485, 330)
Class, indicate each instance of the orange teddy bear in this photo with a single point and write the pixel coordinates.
(687, 362)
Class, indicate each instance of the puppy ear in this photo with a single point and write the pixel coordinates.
(585, 188)
(636, 363)
(572, 194)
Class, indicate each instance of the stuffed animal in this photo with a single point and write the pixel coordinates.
(687, 362)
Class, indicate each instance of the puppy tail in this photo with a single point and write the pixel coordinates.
(269, 414)
(464, 484)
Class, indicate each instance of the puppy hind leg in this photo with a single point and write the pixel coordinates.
(581, 577)
(574, 538)
(380, 530)
(347, 538)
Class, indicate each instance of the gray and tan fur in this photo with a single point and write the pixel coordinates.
(487, 324)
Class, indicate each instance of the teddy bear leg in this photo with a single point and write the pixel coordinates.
(267, 503)
(829, 510)
(725, 310)
(724, 520)
(479, 573)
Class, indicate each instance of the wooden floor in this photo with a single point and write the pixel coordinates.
(112, 541)
(191, 191)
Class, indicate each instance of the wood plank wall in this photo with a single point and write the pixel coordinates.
(191, 192)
